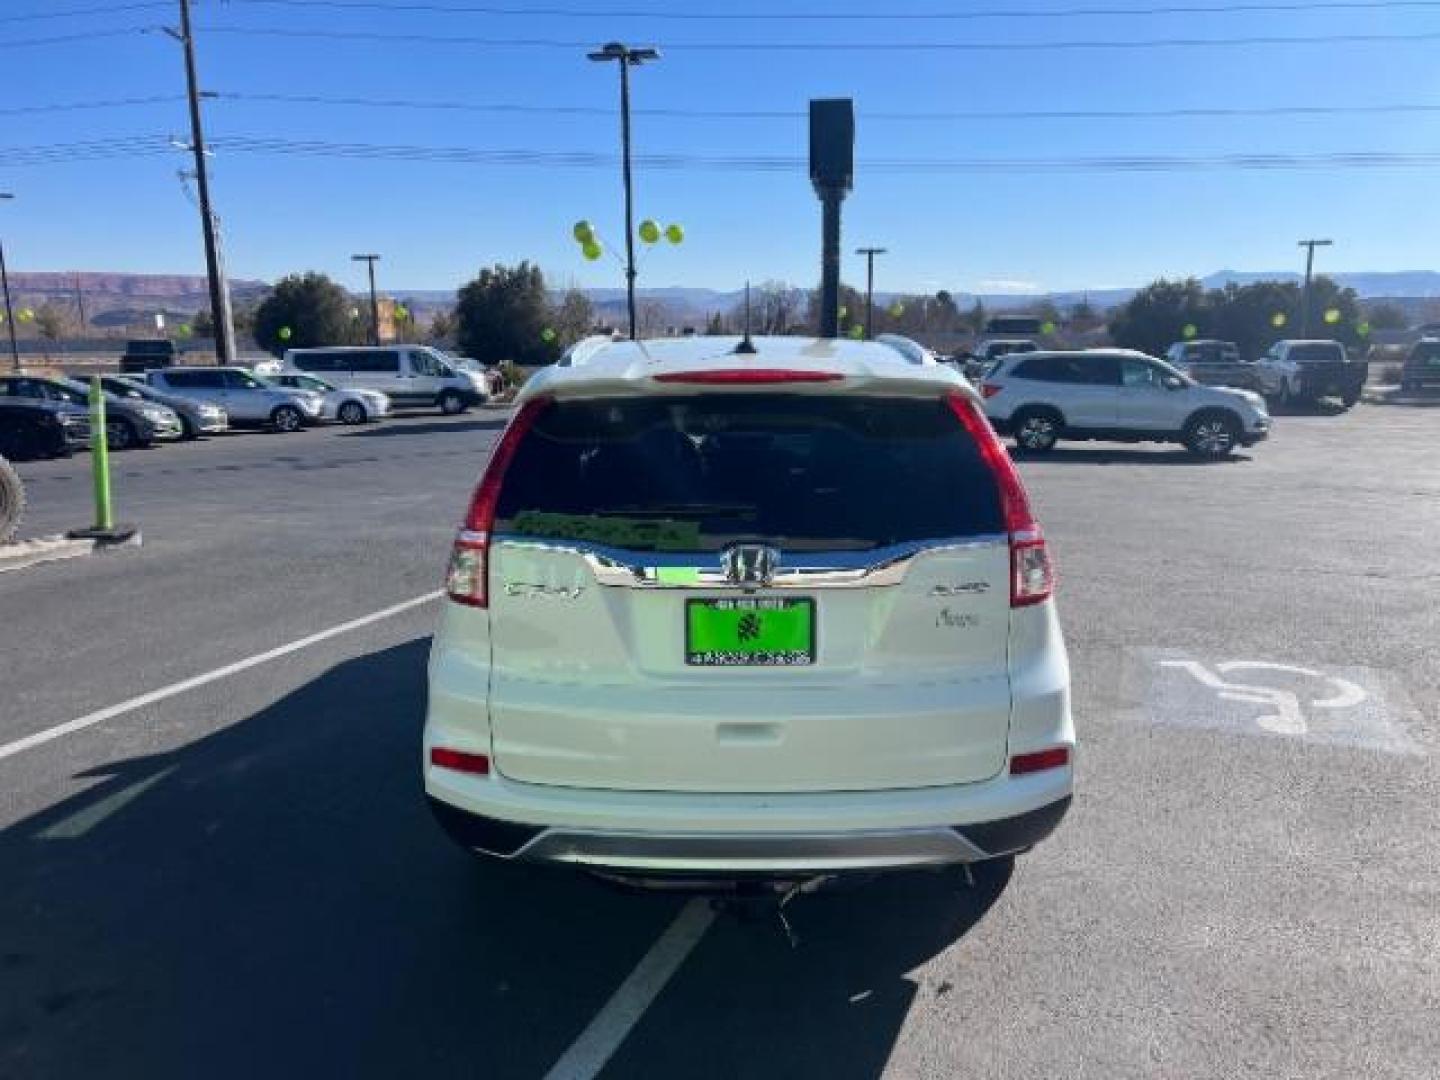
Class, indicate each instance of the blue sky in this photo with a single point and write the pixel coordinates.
(437, 222)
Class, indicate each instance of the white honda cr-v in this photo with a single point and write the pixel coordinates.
(724, 609)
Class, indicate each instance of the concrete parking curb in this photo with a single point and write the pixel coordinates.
(54, 548)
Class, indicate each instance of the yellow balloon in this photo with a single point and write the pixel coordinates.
(649, 230)
(591, 250)
(674, 233)
(1278, 319)
(583, 232)
(26, 314)
(1332, 315)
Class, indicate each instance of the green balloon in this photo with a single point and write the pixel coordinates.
(1047, 328)
(674, 233)
(649, 230)
(26, 314)
(857, 331)
(897, 309)
(283, 333)
(583, 232)
(1363, 329)
(547, 335)
(1278, 319)
(591, 250)
(1332, 315)
(1189, 331)
(844, 311)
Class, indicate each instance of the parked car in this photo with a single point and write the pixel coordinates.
(411, 376)
(346, 406)
(1297, 372)
(1119, 395)
(684, 635)
(993, 348)
(196, 417)
(1421, 370)
(127, 424)
(31, 428)
(246, 399)
(1213, 363)
(145, 353)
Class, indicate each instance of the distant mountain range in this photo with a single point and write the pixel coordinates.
(118, 299)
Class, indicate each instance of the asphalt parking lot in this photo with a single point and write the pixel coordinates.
(238, 877)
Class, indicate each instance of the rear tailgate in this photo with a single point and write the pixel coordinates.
(868, 650)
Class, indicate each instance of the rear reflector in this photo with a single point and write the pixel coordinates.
(1040, 760)
(989, 389)
(444, 758)
(748, 376)
(1032, 578)
(466, 577)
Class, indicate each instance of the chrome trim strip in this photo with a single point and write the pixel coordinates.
(751, 852)
(623, 568)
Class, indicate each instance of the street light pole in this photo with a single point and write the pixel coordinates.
(626, 57)
(1309, 246)
(371, 260)
(869, 253)
(219, 300)
(9, 311)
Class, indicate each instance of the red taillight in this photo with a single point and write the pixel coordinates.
(444, 758)
(1032, 578)
(989, 389)
(466, 576)
(1040, 760)
(748, 376)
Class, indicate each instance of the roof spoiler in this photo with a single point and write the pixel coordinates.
(912, 351)
(585, 350)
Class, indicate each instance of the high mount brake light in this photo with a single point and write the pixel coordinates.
(466, 578)
(748, 376)
(1032, 578)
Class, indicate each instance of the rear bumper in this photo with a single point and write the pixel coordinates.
(754, 853)
(661, 833)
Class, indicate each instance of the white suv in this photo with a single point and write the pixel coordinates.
(1116, 394)
(719, 611)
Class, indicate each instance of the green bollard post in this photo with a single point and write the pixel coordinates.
(100, 458)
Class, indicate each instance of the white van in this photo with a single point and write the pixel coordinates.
(412, 376)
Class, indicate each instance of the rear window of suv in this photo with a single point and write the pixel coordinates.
(1321, 352)
(700, 473)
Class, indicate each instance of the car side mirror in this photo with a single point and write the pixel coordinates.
(1173, 382)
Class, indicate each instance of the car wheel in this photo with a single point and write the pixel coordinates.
(352, 412)
(451, 403)
(120, 435)
(188, 431)
(287, 418)
(12, 501)
(1036, 430)
(1350, 398)
(1212, 435)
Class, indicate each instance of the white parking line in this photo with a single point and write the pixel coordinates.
(40, 738)
(604, 1034)
(82, 821)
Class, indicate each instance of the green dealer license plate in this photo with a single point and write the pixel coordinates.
(750, 631)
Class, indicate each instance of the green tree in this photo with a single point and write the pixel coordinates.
(1158, 314)
(1046, 312)
(202, 325)
(314, 309)
(852, 310)
(1256, 315)
(573, 317)
(977, 317)
(50, 322)
(716, 324)
(1387, 317)
(442, 326)
(945, 314)
(501, 316)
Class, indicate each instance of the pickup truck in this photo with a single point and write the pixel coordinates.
(1213, 363)
(1301, 372)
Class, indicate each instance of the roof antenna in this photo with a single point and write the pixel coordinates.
(746, 346)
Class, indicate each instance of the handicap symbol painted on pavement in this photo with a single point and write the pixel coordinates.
(1289, 715)
(1350, 706)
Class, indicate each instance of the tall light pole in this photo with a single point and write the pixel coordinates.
(870, 254)
(1309, 246)
(219, 300)
(9, 311)
(371, 260)
(627, 58)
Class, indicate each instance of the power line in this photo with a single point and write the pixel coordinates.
(838, 46)
(107, 9)
(759, 163)
(962, 115)
(1255, 7)
(63, 39)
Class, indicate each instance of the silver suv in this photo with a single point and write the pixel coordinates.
(245, 399)
(1116, 394)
